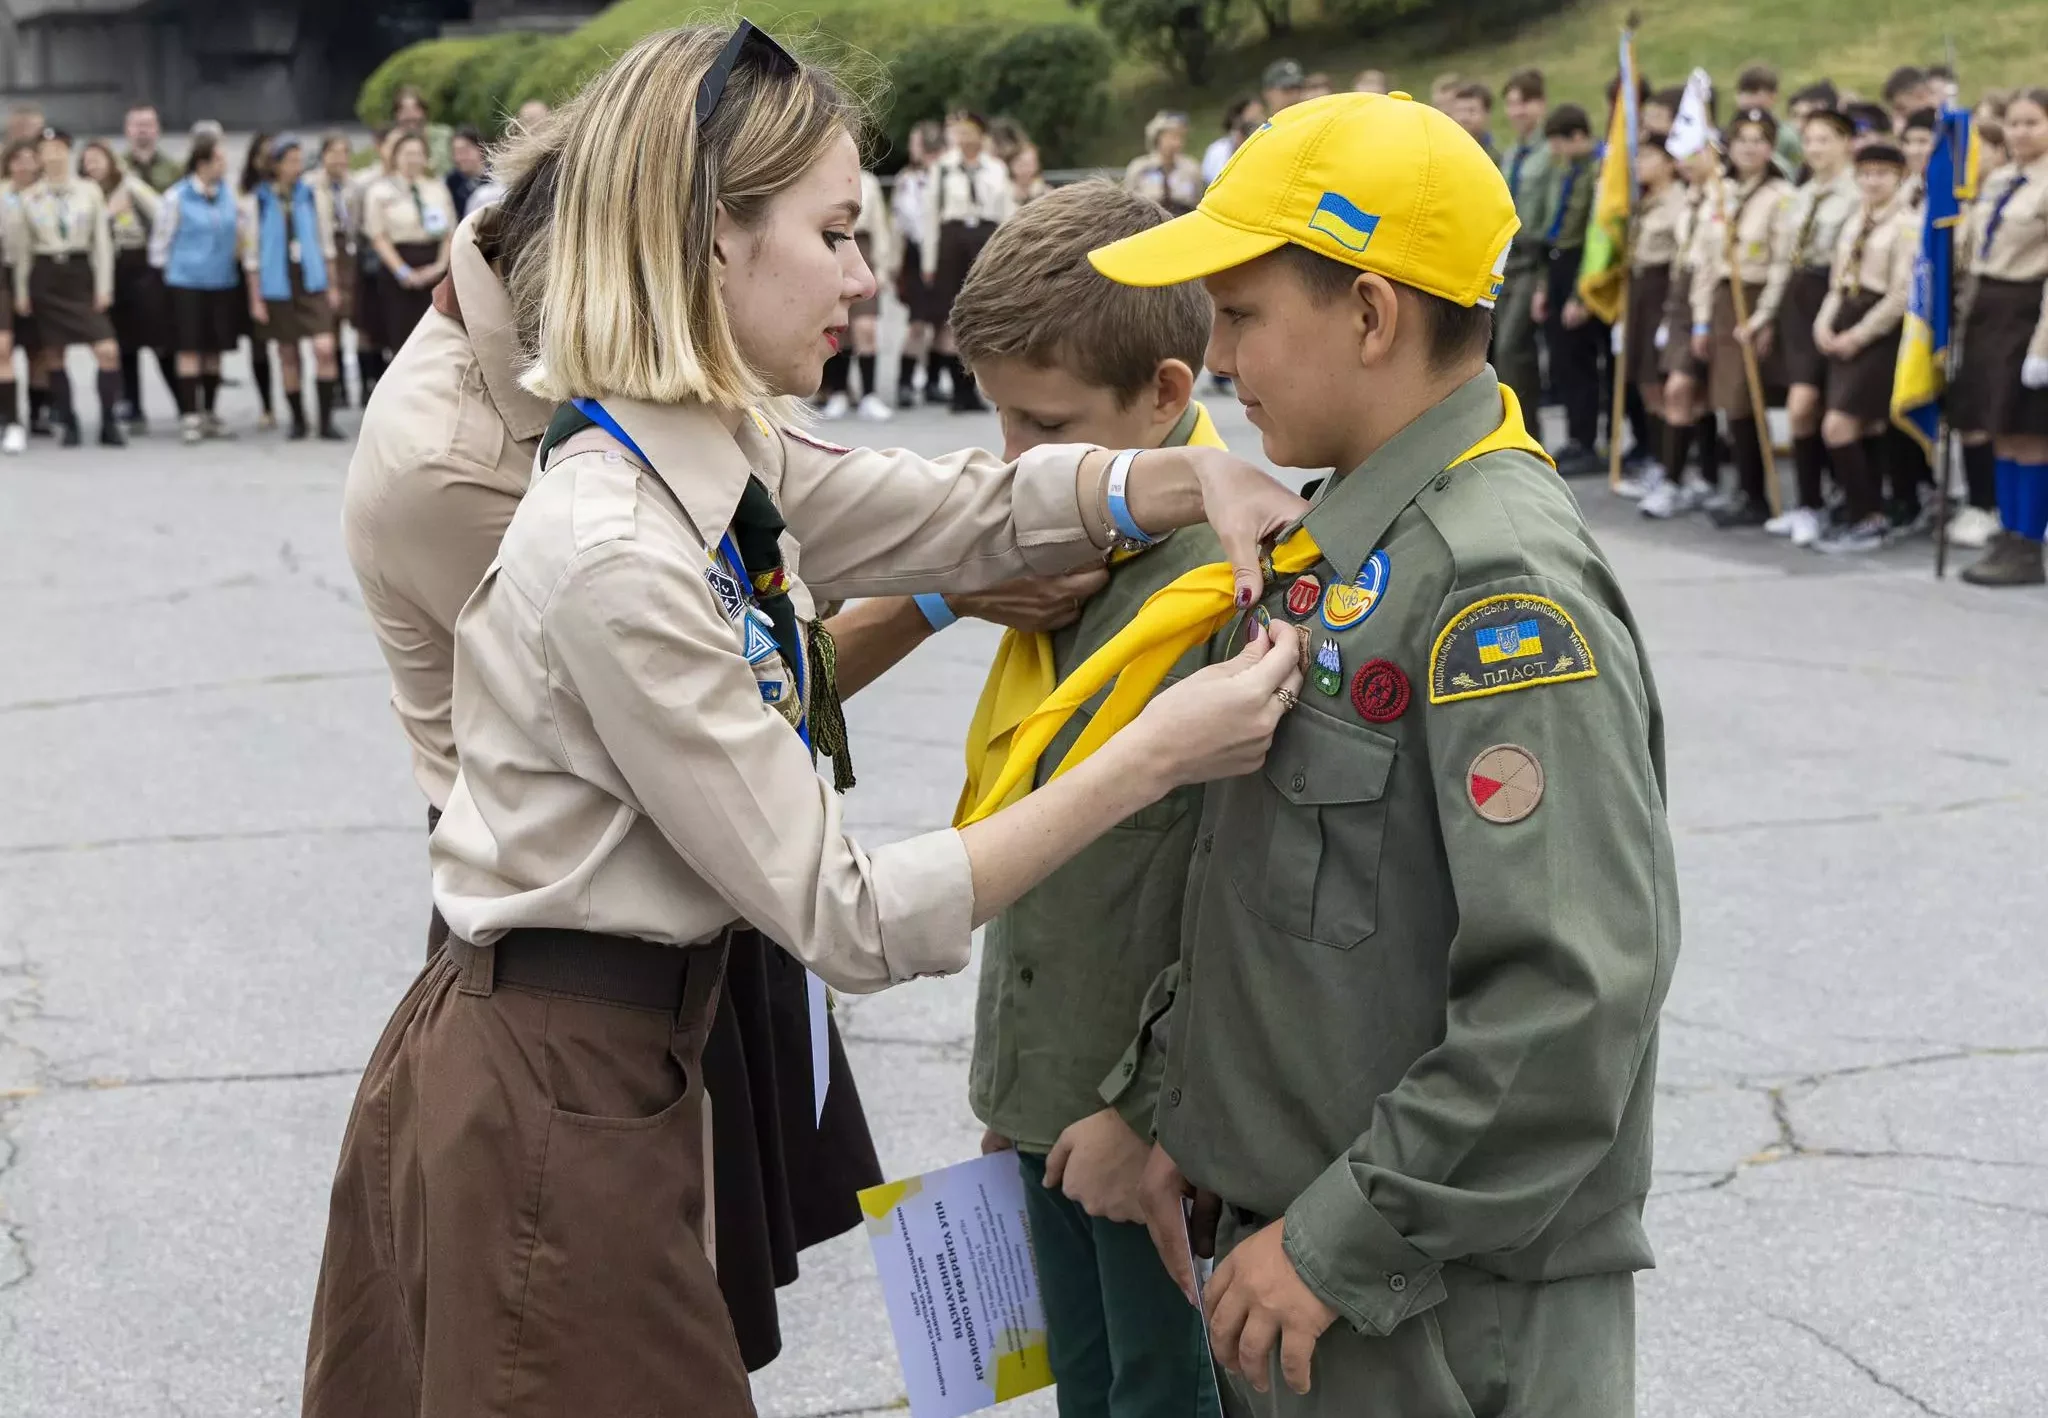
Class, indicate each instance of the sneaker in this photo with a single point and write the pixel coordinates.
(1693, 493)
(874, 409)
(2011, 561)
(1579, 461)
(265, 421)
(111, 435)
(1634, 485)
(192, 429)
(1806, 528)
(1718, 499)
(210, 424)
(330, 434)
(71, 436)
(1782, 524)
(1972, 527)
(906, 396)
(1740, 514)
(39, 425)
(15, 440)
(1660, 501)
(836, 407)
(1856, 538)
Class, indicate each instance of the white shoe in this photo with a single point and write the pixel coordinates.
(194, 429)
(1717, 499)
(1806, 526)
(874, 408)
(1660, 501)
(1693, 494)
(1971, 527)
(1782, 524)
(1635, 486)
(836, 407)
(15, 440)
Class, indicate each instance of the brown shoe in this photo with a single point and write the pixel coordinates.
(2012, 561)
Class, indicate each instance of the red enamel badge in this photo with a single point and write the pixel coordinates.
(1379, 692)
(1303, 596)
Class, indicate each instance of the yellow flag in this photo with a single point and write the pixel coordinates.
(1603, 271)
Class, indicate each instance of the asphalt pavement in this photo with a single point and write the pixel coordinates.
(212, 892)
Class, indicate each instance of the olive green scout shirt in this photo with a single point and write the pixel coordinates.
(1567, 206)
(1066, 972)
(1417, 1013)
(1526, 166)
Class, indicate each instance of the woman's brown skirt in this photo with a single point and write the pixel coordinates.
(142, 307)
(1800, 357)
(1989, 397)
(1677, 357)
(306, 316)
(342, 274)
(959, 244)
(1649, 289)
(401, 306)
(60, 292)
(915, 291)
(6, 300)
(1861, 386)
(516, 1222)
(1727, 380)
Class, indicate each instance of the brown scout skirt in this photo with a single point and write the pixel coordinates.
(1805, 292)
(1649, 290)
(914, 290)
(60, 293)
(516, 1222)
(1989, 397)
(1677, 357)
(959, 244)
(142, 307)
(400, 307)
(1727, 382)
(306, 316)
(1861, 386)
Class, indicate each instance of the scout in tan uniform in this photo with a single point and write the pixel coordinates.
(289, 255)
(1654, 240)
(2002, 387)
(1737, 239)
(1812, 230)
(13, 432)
(876, 240)
(408, 218)
(64, 277)
(335, 177)
(1423, 952)
(966, 194)
(1689, 418)
(141, 309)
(1857, 329)
(637, 682)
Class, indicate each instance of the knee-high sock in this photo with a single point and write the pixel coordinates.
(1677, 447)
(1650, 441)
(259, 369)
(1749, 459)
(328, 393)
(2023, 498)
(906, 372)
(186, 387)
(61, 411)
(1878, 451)
(209, 390)
(1707, 428)
(1809, 456)
(867, 375)
(1858, 478)
(110, 397)
(131, 376)
(1980, 474)
(10, 410)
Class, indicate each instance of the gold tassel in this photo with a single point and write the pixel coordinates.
(828, 720)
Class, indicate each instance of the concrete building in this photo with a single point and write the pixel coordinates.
(247, 63)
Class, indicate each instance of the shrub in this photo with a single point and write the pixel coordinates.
(1053, 79)
(486, 90)
(928, 76)
(432, 67)
(559, 67)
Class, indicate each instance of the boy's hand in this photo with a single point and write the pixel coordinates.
(1100, 1163)
(993, 1141)
(1256, 1298)
(1033, 603)
(1161, 1191)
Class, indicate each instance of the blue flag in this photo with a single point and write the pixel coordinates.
(1921, 377)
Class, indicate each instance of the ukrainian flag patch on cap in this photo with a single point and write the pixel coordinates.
(1343, 222)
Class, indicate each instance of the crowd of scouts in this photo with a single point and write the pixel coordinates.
(1790, 245)
(1258, 941)
(130, 251)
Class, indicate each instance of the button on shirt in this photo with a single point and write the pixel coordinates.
(63, 219)
(445, 453)
(620, 770)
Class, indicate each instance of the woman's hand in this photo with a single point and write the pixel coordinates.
(1702, 347)
(259, 310)
(1219, 721)
(1247, 510)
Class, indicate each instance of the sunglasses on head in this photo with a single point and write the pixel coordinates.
(745, 40)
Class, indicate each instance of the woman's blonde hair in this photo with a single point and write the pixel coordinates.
(628, 300)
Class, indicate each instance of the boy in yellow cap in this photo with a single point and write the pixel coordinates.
(1412, 1055)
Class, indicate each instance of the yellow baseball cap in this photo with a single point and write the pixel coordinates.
(1376, 181)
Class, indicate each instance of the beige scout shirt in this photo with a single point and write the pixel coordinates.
(445, 454)
(978, 193)
(1874, 255)
(1659, 227)
(408, 213)
(1815, 218)
(131, 213)
(874, 224)
(620, 772)
(1744, 226)
(69, 219)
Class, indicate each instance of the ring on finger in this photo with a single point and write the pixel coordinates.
(1287, 697)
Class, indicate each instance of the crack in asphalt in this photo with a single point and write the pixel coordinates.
(1863, 1367)
(186, 839)
(1959, 1198)
(1893, 813)
(115, 1083)
(170, 691)
(17, 1261)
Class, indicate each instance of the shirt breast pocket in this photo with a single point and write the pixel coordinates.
(1324, 822)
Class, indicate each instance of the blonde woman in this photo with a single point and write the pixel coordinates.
(638, 682)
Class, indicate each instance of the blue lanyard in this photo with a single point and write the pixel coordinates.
(1998, 213)
(728, 549)
(1564, 204)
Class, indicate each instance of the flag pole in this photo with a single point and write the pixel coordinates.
(1944, 458)
(1756, 382)
(1618, 364)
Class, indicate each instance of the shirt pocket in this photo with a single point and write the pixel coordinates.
(1317, 875)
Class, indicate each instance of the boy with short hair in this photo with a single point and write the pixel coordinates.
(1068, 357)
(1411, 1059)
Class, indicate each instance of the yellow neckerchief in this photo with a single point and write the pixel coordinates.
(1172, 622)
(1021, 679)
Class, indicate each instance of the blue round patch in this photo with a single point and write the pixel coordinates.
(1348, 604)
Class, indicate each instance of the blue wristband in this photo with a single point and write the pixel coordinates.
(1119, 510)
(936, 611)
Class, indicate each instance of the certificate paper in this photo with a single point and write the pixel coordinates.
(954, 1255)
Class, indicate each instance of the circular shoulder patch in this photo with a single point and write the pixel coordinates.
(1504, 783)
(1379, 692)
